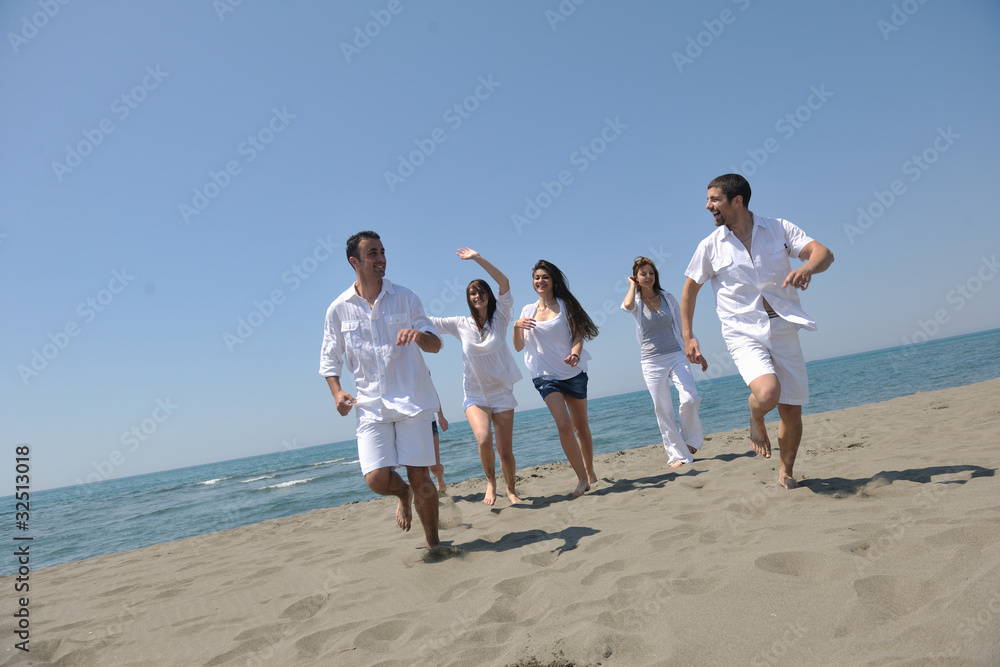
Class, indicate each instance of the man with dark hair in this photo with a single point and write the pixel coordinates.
(747, 260)
(372, 325)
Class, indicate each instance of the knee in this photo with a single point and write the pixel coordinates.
(378, 480)
(791, 414)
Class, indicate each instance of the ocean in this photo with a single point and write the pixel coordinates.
(87, 520)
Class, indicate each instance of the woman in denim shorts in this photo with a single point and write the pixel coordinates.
(551, 333)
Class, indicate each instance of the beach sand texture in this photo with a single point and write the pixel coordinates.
(889, 554)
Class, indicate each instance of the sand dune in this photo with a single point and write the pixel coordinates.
(889, 554)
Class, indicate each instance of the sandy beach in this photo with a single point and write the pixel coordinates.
(888, 554)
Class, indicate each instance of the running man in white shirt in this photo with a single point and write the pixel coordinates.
(372, 326)
(747, 260)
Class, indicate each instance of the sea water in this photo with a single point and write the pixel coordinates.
(87, 520)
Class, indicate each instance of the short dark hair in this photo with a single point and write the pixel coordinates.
(355, 240)
(732, 185)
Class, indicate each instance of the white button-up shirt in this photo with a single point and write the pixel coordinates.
(386, 375)
(742, 280)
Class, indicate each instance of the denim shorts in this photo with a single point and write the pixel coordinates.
(575, 387)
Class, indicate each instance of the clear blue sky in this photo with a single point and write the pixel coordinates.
(169, 169)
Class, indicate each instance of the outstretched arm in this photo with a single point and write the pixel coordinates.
(818, 259)
(495, 273)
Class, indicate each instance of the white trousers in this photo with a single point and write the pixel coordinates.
(674, 369)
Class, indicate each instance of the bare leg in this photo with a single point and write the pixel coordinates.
(789, 437)
(578, 413)
(567, 438)
(765, 391)
(437, 468)
(426, 500)
(479, 420)
(503, 425)
(387, 482)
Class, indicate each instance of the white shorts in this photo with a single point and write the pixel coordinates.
(398, 440)
(783, 358)
(497, 401)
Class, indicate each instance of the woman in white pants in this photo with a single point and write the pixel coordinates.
(658, 328)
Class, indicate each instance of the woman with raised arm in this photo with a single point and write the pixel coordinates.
(490, 372)
(658, 328)
(551, 332)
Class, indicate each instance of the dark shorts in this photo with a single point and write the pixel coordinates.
(434, 427)
(575, 387)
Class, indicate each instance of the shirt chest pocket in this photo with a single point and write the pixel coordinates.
(351, 331)
(394, 322)
(723, 267)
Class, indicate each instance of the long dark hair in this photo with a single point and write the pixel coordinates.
(640, 262)
(580, 324)
(491, 303)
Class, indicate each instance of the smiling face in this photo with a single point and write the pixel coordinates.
(724, 210)
(370, 263)
(542, 282)
(646, 275)
(477, 296)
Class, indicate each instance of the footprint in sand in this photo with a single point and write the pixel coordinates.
(806, 565)
(305, 608)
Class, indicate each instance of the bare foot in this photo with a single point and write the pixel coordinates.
(758, 438)
(491, 493)
(512, 497)
(404, 516)
(788, 482)
(581, 488)
(677, 464)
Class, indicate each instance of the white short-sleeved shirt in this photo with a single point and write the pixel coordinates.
(741, 281)
(548, 344)
(386, 375)
(489, 365)
(659, 334)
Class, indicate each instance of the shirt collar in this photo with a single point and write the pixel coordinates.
(387, 288)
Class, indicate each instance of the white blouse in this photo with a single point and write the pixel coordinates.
(548, 344)
(489, 365)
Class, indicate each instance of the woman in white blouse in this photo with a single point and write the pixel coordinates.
(551, 333)
(490, 372)
(658, 328)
